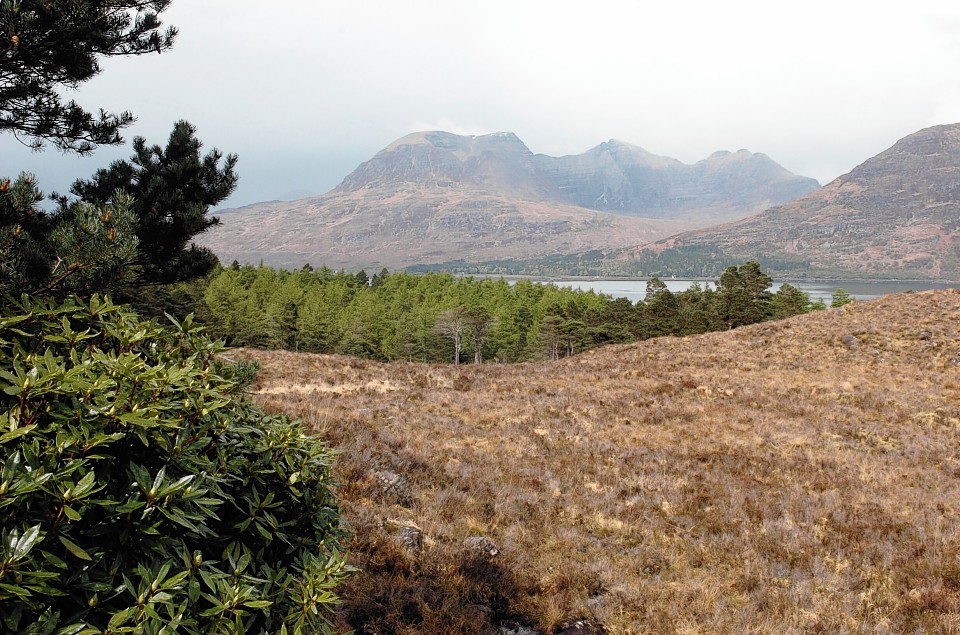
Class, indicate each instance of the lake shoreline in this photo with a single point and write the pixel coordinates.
(713, 279)
(634, 289)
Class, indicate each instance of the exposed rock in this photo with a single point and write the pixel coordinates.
(580, 627)
(407, 534)
(412, 538)
(515, 628)
(482, 545)
(624, 178)
(925, 335)
(394, 485)
(850, 341)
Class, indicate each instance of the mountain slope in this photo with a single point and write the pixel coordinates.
(777, 478)
(436, 197)
(897, 214)
(619, 177)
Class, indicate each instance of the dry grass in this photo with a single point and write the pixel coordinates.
(764, 480)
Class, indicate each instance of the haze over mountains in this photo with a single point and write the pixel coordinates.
(895, 215)
(437, 197)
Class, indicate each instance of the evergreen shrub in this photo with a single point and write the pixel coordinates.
(139, 491)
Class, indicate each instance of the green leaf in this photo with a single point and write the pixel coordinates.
(85, 485)
(26, 542)
(175, 580)
(121, 618)
(19, 591)
(267, 536)
(54, 560)
(16, 434)
(74, 548)
(193, 590)
(258, 604)
(109, 464)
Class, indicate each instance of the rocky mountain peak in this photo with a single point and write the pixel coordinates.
(926, 153)
(461, 145)
(442, 159)
(623, 153)
(896, 214)
(434, 196)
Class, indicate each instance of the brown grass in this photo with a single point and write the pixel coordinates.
(764, 480)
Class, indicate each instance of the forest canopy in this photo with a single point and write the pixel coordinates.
(442, 318)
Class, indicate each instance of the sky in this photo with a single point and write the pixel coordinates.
(305, 90)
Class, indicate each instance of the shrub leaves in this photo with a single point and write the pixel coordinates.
(140, 494)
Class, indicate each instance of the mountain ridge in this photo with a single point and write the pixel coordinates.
(898, 211)
(433, 197)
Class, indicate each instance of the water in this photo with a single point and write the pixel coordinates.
(635, 290)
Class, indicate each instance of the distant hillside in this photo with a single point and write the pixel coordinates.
(619, 177)
(435, 197)
(895, 215)
(787, 477)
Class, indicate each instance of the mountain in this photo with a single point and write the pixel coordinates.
(619, 177)
(435, 197)
(895, 215)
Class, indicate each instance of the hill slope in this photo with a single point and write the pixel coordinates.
(619, 177)
(435, 197)
(771, 479)
(897, 214)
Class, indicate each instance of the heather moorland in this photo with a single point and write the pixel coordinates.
(797, 476)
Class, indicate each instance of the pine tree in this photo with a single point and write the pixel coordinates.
(85, 249)
(697, 311)
(840, 298)
(661, 309)
(46, 47)
(788, 301)
(744, 296)
(479, 321)
(173, 188)
(132, 223)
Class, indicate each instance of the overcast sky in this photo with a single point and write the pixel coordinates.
(304, 90)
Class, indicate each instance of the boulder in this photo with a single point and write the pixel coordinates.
(850, 341)
(406, 533)
(395, 486)
(482, 545)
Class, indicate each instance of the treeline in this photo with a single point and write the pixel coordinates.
(692, 261)
(438, 317)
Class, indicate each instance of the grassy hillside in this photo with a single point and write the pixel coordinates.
(779, 478)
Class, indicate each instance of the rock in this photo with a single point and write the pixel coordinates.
(580, 627)
(482, 545)
(395, 485)
(850, 341)
(925, 335)
(411, 538)
(515, 628)
(407, 534)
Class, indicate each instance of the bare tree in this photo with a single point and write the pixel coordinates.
(452, 324)
(551, 331)
(480, 321)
